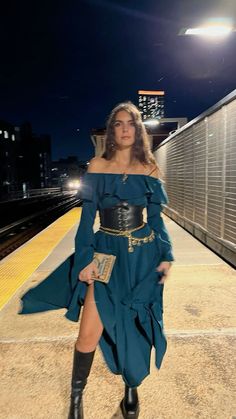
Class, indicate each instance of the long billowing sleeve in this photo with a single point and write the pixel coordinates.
(84, 239)
(155, 220)
(61, 288)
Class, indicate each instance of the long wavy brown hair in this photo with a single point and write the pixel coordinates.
(141, 150)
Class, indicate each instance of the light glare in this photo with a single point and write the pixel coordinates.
(74, 184)
(210, 31)
(152, 122)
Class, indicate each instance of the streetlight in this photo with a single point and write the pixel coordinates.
(155, 122)
(152, 122)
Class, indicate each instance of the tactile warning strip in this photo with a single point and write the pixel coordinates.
(17, 268)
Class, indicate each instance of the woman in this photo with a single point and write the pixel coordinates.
(125, 315)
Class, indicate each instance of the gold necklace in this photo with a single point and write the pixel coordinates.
(124, 177)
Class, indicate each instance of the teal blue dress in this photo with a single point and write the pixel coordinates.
(131, 304)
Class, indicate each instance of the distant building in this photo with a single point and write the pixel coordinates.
(98, 140)
(43, 144)
(35, 158)
(9, 138)
(159, 134)
(24, 158)
(151, 104)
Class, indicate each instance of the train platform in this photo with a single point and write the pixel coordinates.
(197, 379)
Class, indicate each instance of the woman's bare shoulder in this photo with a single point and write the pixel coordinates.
(97, 165)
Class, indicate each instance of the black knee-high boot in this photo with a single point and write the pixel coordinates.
(130, 403)
(81, 368)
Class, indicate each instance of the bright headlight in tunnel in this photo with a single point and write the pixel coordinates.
(74, 184)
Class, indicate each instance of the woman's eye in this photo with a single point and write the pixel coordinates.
(116, 124)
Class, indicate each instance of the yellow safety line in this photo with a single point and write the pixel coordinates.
(16, 269)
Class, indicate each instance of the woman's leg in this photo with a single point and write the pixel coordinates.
(89, 334)
(91, 327)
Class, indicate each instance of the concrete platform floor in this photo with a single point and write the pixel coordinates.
(197, 379)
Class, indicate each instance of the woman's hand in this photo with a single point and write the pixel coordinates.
(88, 272)
(164, 268)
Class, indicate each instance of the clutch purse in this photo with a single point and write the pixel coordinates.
(105, 265)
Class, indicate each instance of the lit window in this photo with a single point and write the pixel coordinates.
(41, 166)
(41, 174)
(6, 135)
(40, 154)
(0, 131)
(13, 137)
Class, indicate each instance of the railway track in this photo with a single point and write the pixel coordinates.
(14, 235)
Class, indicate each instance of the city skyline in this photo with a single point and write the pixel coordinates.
(64, 67)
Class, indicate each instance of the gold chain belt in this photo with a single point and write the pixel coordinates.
(132, 241)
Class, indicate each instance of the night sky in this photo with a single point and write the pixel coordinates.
(66, 64)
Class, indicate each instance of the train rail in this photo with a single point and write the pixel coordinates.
(15, 234)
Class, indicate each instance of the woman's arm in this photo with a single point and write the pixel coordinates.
(156, 222)
(156, 199)
(84, 239)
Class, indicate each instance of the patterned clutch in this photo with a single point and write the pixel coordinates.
(105, 265)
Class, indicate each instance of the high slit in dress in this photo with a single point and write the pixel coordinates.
(131, 304)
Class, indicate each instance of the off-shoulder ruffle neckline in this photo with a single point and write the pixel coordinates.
(134, 186)
(122, 174)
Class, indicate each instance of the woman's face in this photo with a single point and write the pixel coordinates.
(124, 129)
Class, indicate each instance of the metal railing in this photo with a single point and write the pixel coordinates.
(31, 193)
(199, 166)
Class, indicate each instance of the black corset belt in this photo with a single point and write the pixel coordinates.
(122, 216)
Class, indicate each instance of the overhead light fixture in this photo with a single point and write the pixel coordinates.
(215, 28)
(209, 31)
(151, 122)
